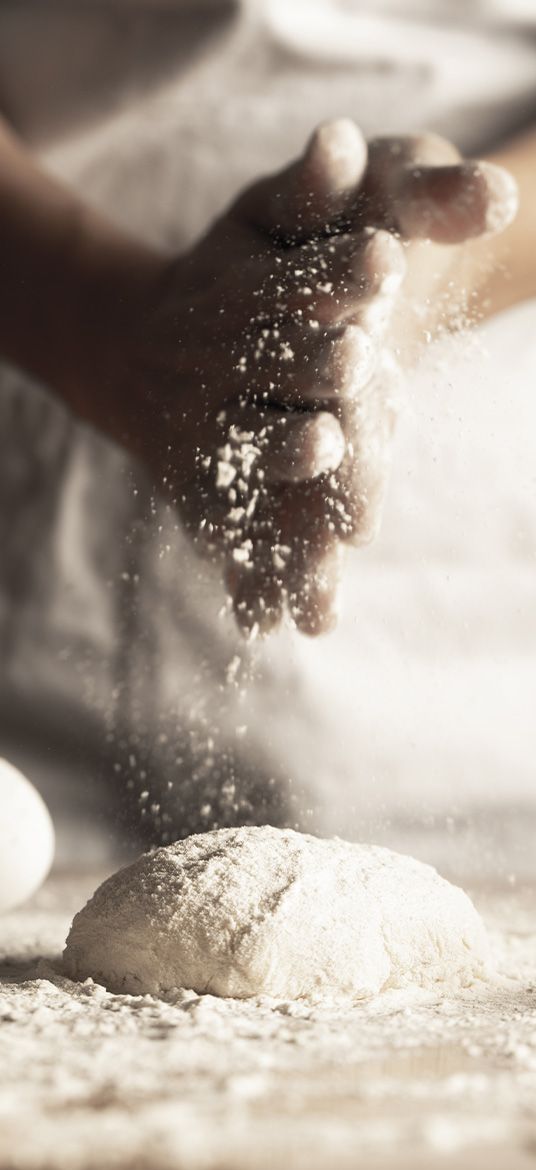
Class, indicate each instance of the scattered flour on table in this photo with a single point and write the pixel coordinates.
(262, 911)
(89, 1078)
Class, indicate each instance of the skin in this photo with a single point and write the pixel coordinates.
(258, 375)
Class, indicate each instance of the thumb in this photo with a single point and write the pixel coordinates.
(315, 190)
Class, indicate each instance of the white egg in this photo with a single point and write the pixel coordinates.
(26, 838)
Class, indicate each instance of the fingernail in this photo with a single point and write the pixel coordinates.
(503, 196)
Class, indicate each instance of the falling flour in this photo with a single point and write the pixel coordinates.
(261, 911)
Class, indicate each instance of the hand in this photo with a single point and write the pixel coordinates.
(263, 379)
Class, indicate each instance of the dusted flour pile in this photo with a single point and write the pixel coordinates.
(260, 911)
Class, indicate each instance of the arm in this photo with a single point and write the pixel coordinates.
(510, 265)
(70, 283)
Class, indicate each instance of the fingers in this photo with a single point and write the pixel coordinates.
(286, 551)
(248, 457)
(419, 187)
(280, 508)
(451, 204)
(324, 281)
(314, 190)
(328, 351)
(277, 446)
(360, 483)
(388, 154)
(312, 586)
(288, 486)
(257, 595)
(388, 159)
(301, 576)
(384, 264)
(271, 521)
(313, 367)
(315, 334)
(302, 446)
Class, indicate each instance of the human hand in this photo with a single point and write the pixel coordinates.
(265, 380)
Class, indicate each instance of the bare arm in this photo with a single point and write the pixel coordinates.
(511, 266)
(69, 283)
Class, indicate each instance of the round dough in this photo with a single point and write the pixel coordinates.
(263, 911)
(26, 838)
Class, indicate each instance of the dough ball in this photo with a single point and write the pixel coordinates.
(26, 838)
(262, 911)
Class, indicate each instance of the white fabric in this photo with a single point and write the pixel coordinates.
(111, 641)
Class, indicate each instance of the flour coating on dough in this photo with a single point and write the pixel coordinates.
(262, 911)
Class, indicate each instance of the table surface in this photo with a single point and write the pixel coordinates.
(89, 1079)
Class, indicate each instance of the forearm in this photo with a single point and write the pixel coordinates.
(512, 277)
(68, 279)
(493, 273)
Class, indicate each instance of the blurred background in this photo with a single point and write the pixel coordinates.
(125, 694)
